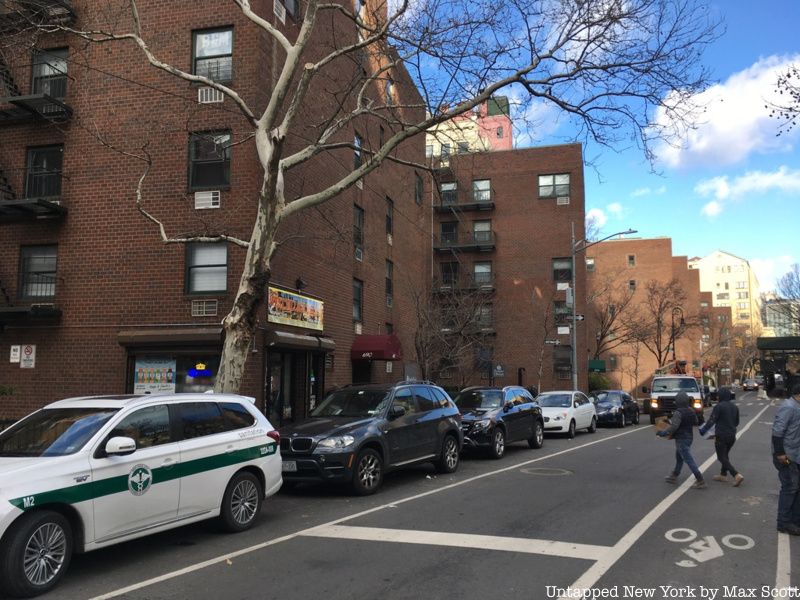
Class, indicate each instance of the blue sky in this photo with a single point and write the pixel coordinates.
(734, 185)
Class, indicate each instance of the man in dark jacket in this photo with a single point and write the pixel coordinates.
(786, 458)
(725, 419)
(681, 429)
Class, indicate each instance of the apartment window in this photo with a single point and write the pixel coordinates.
(418, 188)
(389, 328)
(358, 227)
(449, 273)
(740, 285)
(482, 273)
(483, 316)
(551, 186)
(744, 316)
(742, 305)
(445, 152)
(449, 232)
(291, 7)
(37, 271)
(499, 133)
(482, 231)
(389, 280)
(631, 260)
(389, 216)
(561, 311)
(389, 90)
(358, 144)
(50, 73)
(612, 310)
(632, 285)
(463, 147)
(742, 295)
(727, 285)
(612, 362)
(381, 136)
(562, 269)
(482, 190)
(213, 54)
(704, 305)
(206, 268)
(210, 159)
(590, 265)
(43, 175)
(358, 300)
(723, 296)
(449, 193)
(428, 150)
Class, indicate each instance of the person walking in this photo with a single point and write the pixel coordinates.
(725, 419)
(786, 458)
(681, 429)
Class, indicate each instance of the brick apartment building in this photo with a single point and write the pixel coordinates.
(626, 266)
(502, 230)
(92, 301)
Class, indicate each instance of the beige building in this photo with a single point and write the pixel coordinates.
(732, 283)
(486, 128)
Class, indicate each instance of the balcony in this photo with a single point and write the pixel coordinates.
(473, 241)
(34, 107)
(481, 282)
(42, 201)
(18, 15)
(477, 200)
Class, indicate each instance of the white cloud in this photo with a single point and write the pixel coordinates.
(752, 184)
(733, 122)
(596, 217)
(615, 208)
(712, 209)
(769, 270)
(646, 191)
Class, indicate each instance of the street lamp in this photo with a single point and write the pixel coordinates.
(674, 332)
(580, 246)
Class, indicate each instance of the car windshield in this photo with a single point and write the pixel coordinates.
(352, 403)
(606, 398)
(53, 431)
(473, 399)
(555, 400)
(674, 384)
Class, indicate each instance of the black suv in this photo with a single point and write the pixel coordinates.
(493, 417)
(359, 432)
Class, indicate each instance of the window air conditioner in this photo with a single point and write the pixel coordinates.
(204, 200)
(204, 308)
(209, 95)
(562, 200)
(389, 238)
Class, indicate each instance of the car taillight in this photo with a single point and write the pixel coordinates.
(275, 436)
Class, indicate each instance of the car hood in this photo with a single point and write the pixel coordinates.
(554, 410)
(19, 466)
(325, 426)
(604, 406)
(477, 414)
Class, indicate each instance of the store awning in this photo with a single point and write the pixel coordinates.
(156, 336)
(376, 347)
(285, 339)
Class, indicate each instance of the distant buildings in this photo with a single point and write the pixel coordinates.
(781, 318)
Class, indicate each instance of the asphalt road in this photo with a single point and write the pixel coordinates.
(591, 513)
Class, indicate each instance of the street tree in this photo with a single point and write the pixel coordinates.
(604, 65)
(788, 302)
(610, 298)
(787, 110)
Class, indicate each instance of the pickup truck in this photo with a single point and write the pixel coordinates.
(662, 392)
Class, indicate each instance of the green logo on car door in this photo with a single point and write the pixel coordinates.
(139, 480)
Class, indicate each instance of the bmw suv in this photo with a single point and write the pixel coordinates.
(360, 432)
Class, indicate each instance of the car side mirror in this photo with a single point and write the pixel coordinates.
(645, 389)
(396, 411)
(507, 406)
(575, 404)
(120, 446)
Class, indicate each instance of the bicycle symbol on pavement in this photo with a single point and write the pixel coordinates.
(707, 547)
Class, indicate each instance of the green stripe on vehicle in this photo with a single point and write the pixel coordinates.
(114, 485)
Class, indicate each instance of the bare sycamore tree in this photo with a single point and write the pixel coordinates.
(604, 65)
(787, 305)
(609, 299)
(788, 110)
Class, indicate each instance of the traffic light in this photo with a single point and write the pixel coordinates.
(739, 343)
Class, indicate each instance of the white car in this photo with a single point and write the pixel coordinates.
(567, 411)
(85, 473)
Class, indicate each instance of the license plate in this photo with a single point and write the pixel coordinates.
(289, 466)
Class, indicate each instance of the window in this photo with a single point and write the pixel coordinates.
(236, 416)
(358, 144)
(742, 295)
(723, 296)
(740, 285)
(445, 150)
(449, 273)
(561, 311)
(631, 260)
(483, 316)
(389, 328)
(727, 285)
(428, 150)
(562, 269)
(590, 265)
(704, 305)
(213, 54)
(482, 190)
(742, 305)
(632, 285)
(358, 300)
(405, 399)
(744, 316)
(290, 6)
(148, 427)
(50, 73)
(199, 419)
(389, 284)
(381, 136)
(551, 186)
(449, 193)
(612, 362)
(389, 90)
(210, 159)
(38, 271)
(358, 227)
(449, 232)
(463, 147)
(206, 268)
(499, 133)
(482, 273)
(418, 188)
(482, 231)
(424, 398)
(389, 216)
(43, 175)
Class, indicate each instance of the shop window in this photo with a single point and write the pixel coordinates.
(38, 271)
(210, 159)
(213, 54)
(206, 268)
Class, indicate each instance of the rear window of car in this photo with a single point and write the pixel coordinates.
(555, 400)
(236, 415)
(199, 419)
(54, 431)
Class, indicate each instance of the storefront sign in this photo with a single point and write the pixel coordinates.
(28, 358)
(16, 351)
(291, 308)
(154, 375)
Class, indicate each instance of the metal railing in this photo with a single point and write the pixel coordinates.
(38, 283)
(43, 184)
(54, 86)
(453, 238)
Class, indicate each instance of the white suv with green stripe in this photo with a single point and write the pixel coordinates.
(85, 473)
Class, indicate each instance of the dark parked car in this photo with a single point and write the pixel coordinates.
(615, 407)
(493, 417)
(359, 432)
(750, 384)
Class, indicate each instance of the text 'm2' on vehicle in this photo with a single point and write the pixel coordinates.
(663, 390)
(359, 432)
(85, 473)
(493, 417)
(567, 411)
(615, 407)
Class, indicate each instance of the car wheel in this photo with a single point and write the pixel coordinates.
(571, 430)
(448, 462)
(241, 502)
(498, 447)
(593, 427)
(537, 441)
(368, 473)
(622, 422)
(37, 553)
(636, 418)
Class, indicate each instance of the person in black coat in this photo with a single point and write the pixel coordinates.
(680, 429)
(725, 419)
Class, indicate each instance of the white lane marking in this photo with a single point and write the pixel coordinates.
(216, 560)
(461, 540)
(783, 571)
(602, 566)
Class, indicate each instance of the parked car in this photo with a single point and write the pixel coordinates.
(85, 473)
(759, 380)
(750, 384)
(491, 418)
(567, 411)
(615, 407)
(359, 432)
